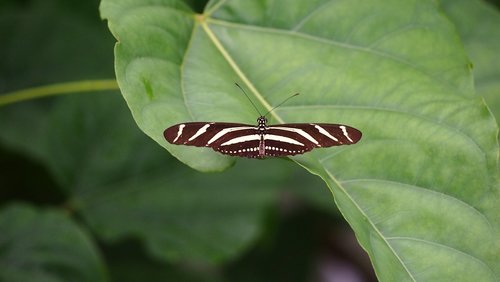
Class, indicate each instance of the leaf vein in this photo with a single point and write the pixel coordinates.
(308, 16)
(439, 193)
(492, 273)
(345, 45)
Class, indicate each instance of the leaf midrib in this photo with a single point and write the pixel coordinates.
(238, 71)
(372, 224)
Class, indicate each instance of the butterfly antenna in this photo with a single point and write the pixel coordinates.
(248, 98)
(281, 103)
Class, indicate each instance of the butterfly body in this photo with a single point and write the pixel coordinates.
(261, 141)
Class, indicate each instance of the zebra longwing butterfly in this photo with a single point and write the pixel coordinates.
(261, 141)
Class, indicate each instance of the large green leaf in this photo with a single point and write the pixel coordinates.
(420, 189)
(45, 246)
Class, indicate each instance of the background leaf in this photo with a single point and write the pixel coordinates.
(37, 50)
(477, 22)
(45, 246)
(396, 70)
(41, 50)
(126, 187)
(207, 217)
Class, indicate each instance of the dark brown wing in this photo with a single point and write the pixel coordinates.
(298, 138)
(233, 139)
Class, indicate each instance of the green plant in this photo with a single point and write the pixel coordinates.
(420, 190)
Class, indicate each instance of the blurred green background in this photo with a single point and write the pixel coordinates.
(86, 196)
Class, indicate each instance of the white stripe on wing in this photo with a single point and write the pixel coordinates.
(226, 131)
(344, 130)
(326, 133)
(200, 131)
(298, 131)
(179, 133)
(241, 139)
(282, 139)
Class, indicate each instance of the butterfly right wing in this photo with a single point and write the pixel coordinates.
(233, 139)
(298, 138)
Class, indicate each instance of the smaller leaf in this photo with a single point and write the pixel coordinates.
(37, 49)
(126, 186)
(181, 214)
(45, 245)
(128, 262)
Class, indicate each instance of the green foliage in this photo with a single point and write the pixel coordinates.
(420, 190)
(477, 22)
(45, 246)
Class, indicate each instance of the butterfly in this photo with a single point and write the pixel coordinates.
(261, 140)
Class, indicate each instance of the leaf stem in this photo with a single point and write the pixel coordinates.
(56, 89)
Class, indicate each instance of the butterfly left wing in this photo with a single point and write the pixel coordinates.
(298, 138)
(233, 139)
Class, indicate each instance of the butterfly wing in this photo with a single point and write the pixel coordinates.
(233, 139)
(298, 138)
